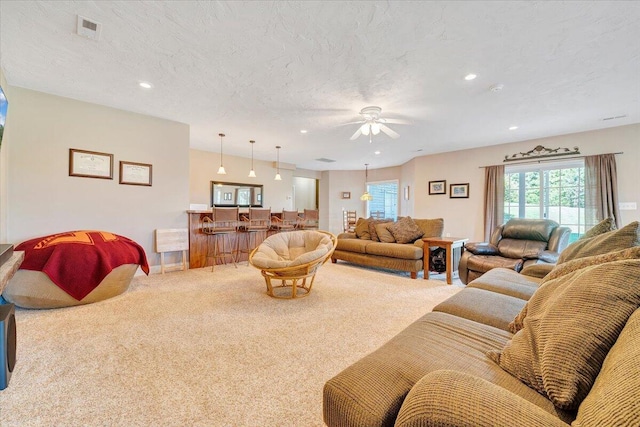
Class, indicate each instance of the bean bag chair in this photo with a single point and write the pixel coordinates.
(74, 268)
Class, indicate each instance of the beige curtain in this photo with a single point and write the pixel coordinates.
(601, 189)
(493, 199)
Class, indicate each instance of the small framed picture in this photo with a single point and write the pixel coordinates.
(135, 173)
(437, 187)
(459, 191)
(90, 164)
(346, 194)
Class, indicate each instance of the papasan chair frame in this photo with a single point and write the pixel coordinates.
(294, 277)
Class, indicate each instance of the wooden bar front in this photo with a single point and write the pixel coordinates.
(198, 241)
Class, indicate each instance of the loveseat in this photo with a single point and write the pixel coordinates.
(396, 245)
(517, 244)
(512, 350)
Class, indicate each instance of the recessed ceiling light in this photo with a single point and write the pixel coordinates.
(303, 131)
(470, 76)
(146, 85)
(376, 152)
(513, 127)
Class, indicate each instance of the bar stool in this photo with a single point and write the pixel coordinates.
(310, 220)
(259, 221)
(221, 227)
(287, 222)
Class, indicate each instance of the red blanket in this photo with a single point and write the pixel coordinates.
(77, 261)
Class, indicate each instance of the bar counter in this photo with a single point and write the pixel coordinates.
(198, 241)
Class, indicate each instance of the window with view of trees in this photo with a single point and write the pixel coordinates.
(385, 199)
(551, 191)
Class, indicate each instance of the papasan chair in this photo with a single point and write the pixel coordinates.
(291, 258)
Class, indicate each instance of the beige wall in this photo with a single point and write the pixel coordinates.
(277, 195)
(3, 175)
(464, 217)
(41, 196)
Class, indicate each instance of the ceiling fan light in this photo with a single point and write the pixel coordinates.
(365, 129)
(366, 197)
(375, 128)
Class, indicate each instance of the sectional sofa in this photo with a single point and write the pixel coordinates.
(513, 350)
(396, 245)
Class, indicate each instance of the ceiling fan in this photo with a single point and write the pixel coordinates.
(373, 124)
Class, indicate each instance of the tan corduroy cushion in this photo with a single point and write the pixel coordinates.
(626, 237)
(614, 398)
(384, 235)
(362, 229)
(571, 323)
(372, 227)
(602, 227)
(405, 230)
(574, 265)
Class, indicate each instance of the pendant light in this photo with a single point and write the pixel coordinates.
(366, 196)
(221, 170)
(252, 172)
(278, 177)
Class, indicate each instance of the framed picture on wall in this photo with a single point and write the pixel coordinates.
(437, 187)
(135, 173)
(346, 194)
(90, 164)
(459, 191)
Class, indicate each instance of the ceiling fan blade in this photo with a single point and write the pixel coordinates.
(395, 121)
(352, 123)
(356, 135)
(393, 134)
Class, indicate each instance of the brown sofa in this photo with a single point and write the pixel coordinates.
(512, 350)
(364, 247)
(517, 244)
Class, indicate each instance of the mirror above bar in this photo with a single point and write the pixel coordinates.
(228, 194)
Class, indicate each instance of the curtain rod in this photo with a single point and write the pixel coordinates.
(543, 160)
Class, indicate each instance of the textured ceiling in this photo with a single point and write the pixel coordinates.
(266, 70)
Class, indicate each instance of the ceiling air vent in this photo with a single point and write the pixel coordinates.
(323, 159)
(614, 118)
(88, 28)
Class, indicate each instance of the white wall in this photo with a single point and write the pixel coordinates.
(277, 195)
(43, 199)
(3, 173)
(305, 193)
(465, 217)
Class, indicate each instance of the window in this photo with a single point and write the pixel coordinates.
(552, 191)
(385, 199)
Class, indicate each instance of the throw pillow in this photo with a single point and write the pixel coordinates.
(571, 323)
(570, 267)
(405, 230)
(372, 227)
(384, 235)
(430, 227)
(604, 226)
(626, 237)
(362, 229)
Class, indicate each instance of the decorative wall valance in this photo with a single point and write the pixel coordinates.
(540, 152)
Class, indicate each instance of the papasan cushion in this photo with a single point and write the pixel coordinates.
(291, 249)
(77, 262)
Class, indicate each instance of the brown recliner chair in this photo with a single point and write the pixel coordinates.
(517, 244)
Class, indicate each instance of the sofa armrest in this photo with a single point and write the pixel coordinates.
(452, 398)
(482, 248)
(537, 270)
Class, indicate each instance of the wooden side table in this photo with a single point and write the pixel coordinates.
(449, 244)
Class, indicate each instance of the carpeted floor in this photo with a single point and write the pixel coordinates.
(198, 348)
